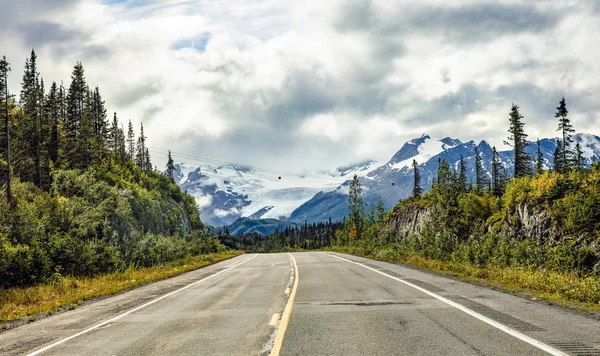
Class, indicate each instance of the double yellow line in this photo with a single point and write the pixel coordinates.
(287, 312)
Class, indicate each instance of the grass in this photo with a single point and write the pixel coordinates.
(568, 289)
(70, 292)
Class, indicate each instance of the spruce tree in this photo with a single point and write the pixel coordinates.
(113, 135)
(518, 141)
(100, 127)
(558, 164)
(578, 156)
(30, 102)
(566, 129)
(481, 178)
(4, 98)
(170, 168)
(539, 162)
(140, 158)
(53, 114)
(497, 177)
(75, 105)
(130, 141)
(356, 205)
(462, 176)
(417, 190)
(148, 163)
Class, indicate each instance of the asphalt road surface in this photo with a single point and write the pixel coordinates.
(308, 304)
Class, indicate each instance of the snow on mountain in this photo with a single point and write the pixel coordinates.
(377, 184)
(228, 192)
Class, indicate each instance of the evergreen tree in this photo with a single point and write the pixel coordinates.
(497, 174)
(481, 177)
(130, 141)
(578, 156)
(100, 138)
(30, 102)
(140, 157)
(148, 163)
(566, 129)
(53, 115)
(539, 162)
(445, 178)
(462, 176)
(85, 138)
(170, 168)
(357, 206)
(518, 141)
(121, 146)
(75, 105)
(113, 135)
(4, 98)
(417, 190)
(558, 164)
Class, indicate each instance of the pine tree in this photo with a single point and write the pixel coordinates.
(140, 157)
(462, 176)
(53, 114)
(74, 156)
(113, 135)
(539, 162)
(4, 97)
(121, 146)
(170, 168)
(148, 163)
(130, 141)
(566, 129)
(357, 206)
(518, 141)
(481, 178)
(417, 190)
(497, 176)
(558, 164)
(100, 127)
(85, 138)
(578, 156)
(30, 102)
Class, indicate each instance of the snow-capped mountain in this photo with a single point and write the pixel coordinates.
(426, 151)
(228, 192)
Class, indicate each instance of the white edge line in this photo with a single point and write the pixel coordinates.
(540, 345)
(46, 348)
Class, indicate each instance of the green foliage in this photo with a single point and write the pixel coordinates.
(97, 221)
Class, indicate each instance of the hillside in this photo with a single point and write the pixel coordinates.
(79, 195)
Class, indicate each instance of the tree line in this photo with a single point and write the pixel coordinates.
(61, 127)
(566, 157)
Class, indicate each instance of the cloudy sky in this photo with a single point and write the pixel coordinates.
(311, 84)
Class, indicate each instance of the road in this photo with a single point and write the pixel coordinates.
(309, 304)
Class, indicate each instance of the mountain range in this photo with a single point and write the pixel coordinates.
(226, 193)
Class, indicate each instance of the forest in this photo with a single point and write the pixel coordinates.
(79, 194)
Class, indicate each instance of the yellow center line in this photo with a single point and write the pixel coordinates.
(287, 312)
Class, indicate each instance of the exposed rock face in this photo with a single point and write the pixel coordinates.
(405, 223)
(524, 222)
(527, 221)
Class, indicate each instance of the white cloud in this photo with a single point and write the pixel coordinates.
(320, 83)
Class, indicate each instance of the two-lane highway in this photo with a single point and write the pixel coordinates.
(333, 305)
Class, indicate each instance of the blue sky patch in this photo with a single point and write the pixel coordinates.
(198, 43)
